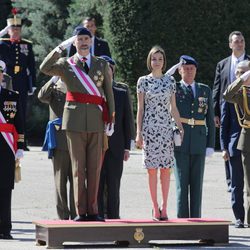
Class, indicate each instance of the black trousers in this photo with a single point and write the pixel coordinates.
(109, 186)
(5, 210)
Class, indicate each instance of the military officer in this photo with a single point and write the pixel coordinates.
(239, 93)
(53, 93)
(194, 102)
(11, 144)
(117, 152)
(18, 55)
(89, 105)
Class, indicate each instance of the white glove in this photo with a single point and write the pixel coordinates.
(4, 31)
(109, 129)
(54, 79)
(245, 76)
(65, 44)
(172, 70)
(209, 152)
(19, 154)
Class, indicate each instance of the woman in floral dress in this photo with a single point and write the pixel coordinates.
(156, 108)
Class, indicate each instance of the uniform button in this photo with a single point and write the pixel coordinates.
(16, 57)
(192, 126)
(192, 104)
(16, 62)
(192, 111)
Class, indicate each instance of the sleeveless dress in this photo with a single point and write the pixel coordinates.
(157, 123)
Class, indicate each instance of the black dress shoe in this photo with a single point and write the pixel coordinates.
(94, 217)
(82, 217)
(239, 224)
(7, 236)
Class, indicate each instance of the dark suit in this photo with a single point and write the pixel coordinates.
(190, 156)
(51, 94)
(101, 48)
(221, 81)
(234, 94)
(11, 110)
(112, 167)
(229, 137)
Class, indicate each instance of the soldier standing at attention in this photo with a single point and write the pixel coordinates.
(11, 149)
(89, 106)
(239, 93)
(53, 93)
(18, 55)
(194, 102)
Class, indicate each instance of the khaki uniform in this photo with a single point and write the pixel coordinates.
(84, 126)
(240, 95)
(51, 94)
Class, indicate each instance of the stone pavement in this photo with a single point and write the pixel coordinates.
(33, 199)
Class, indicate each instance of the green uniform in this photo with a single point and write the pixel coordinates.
(52, 95)
(190, 156)
(84, 126)
(236, 93)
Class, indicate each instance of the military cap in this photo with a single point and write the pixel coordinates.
(108, 59)
(81, 31)
(14, 21)
(188, 60)
(2, 66)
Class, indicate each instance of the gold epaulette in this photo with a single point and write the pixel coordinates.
(26, 40)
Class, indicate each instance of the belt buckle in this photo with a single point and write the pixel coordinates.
(191, 122)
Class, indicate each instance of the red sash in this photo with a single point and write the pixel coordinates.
(10, 128)
(92, 99)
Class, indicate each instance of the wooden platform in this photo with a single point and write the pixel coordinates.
(133, 233)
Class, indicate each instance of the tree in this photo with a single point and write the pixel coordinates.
(45, 25)
(5, 10)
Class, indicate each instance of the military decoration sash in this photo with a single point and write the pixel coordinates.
(86, 81)
(8, 136)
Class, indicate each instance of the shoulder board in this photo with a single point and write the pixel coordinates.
(203, 85)
(4, 39)
(25, 40)
(122, 85)
(100, 58)
(120, 89)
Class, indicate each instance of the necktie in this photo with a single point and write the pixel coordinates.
(191, 91)
(85, 65)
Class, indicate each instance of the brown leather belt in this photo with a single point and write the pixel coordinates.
(193, 122)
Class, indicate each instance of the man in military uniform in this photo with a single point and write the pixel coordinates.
(11, 144)
(18, 55)
(117, 152)
(239, 93)
(194, 102)
(53, 93)
(99, 46)
(89, 105)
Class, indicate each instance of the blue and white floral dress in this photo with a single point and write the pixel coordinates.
(157, 124)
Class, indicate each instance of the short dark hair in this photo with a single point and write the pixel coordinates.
(89, 19)
(237, 33)
(154, 50)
